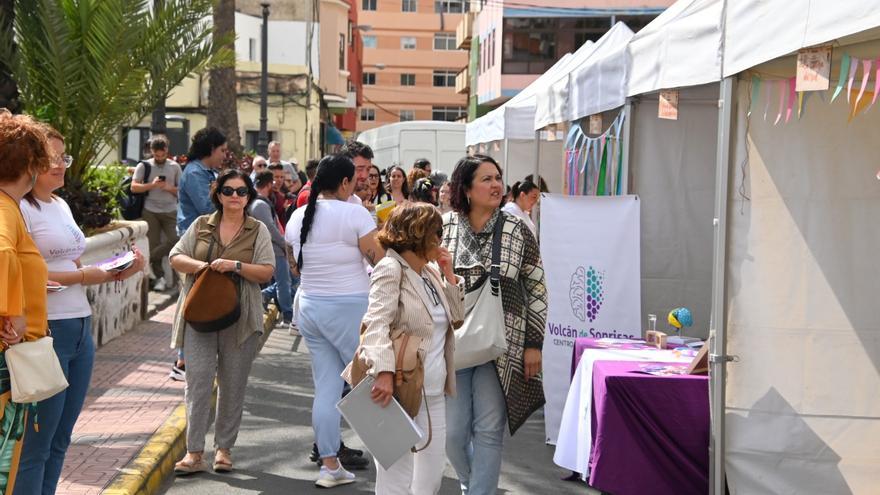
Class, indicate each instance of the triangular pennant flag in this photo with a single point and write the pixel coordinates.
(790, 102)
(854, 66)
(782, 92)
(756, 91)
(841, 78)
(859, 108)
(866, 71)
(801, 103)
(600, 187)
(876, 82)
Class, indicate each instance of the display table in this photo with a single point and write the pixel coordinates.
(583, 343)
(650, 433)
(575, 430)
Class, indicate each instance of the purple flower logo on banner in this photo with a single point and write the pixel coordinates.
(587, 293)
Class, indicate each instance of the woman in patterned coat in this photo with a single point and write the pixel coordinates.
(509, 389)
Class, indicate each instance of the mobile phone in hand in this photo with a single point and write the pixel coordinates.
(162, 178)
(55, 288)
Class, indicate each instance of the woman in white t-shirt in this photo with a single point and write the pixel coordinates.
(61, 243)
(330, 238)
(525, 197)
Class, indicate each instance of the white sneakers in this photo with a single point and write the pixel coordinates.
(160, 285)
(330, 479)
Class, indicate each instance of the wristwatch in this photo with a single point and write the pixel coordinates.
(238, 267)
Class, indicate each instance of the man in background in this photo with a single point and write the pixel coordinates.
(275, 158)
(423, 164)
(160, 205)
(263, 210)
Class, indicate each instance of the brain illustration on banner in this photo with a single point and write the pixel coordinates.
(587, 293)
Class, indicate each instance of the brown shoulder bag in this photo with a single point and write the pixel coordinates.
(213, 302)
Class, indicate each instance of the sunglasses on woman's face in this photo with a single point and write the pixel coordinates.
(228, 191)
(373, 176)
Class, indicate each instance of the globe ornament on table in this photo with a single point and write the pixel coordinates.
(680, 318)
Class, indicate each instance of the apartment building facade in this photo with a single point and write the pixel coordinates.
(511, 43)
(410, 60)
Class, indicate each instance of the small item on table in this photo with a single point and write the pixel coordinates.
(656, 339)
(700, 364)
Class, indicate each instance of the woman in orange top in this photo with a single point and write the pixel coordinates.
(24, 155)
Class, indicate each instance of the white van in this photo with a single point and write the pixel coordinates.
(402, 143)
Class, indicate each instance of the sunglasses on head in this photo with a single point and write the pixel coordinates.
(229, 191)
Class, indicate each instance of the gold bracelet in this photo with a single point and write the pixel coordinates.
(83, 274)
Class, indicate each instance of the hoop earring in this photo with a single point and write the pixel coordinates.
(468, 199)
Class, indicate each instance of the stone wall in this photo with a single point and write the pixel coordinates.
(117, 307)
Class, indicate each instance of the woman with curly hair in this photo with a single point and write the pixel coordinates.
(24, 155)
(408, 295)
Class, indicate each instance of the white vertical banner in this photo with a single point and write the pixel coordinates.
(590, 250)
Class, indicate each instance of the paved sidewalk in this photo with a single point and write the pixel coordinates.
(130, 397)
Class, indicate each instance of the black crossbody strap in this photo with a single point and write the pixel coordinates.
(495, 268)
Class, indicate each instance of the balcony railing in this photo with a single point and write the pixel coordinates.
(464, 31)
(463, 81)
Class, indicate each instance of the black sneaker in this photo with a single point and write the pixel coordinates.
(178, 373)
(349, 458)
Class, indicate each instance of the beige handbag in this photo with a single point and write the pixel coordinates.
(34, 371)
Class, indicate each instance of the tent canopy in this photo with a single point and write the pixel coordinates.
(513, 119)
(602, 73)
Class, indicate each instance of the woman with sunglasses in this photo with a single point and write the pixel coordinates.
(408, 295)
(232, 242)
(378, 195)
(61, 243)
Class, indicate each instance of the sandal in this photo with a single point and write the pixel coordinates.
(190, 464)
(222, 461)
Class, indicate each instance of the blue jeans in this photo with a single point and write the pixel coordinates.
(42, 454)
(280, 288)
(475, 420)
(330, 326)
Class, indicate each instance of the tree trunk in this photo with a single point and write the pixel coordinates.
(8, 87)
(222, 100)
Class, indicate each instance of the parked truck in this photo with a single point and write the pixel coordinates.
(402, 143)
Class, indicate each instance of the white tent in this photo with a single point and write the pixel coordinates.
(512, 120)
(602, 90)
(680, 48)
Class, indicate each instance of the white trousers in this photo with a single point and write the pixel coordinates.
(420, 473)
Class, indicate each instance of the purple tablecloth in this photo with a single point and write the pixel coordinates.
(650, 433)
(589, 343)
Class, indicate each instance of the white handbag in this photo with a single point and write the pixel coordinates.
(483, 336)
(34, 371)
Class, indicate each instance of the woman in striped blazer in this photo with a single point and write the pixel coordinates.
(408, 294)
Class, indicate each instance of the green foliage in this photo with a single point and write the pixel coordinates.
(90, 67)
(94, 198)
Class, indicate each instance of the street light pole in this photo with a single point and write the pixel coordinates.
(263, 139)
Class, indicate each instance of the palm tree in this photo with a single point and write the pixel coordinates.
(90, 67)
(222, 95)
(8, 88)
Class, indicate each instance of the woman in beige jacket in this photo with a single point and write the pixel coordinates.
(408, 294)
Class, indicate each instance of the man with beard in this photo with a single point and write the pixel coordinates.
(160, 205)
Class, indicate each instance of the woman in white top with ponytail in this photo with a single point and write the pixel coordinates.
(330, 238)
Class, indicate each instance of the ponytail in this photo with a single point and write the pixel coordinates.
(332, 170)
(524, 187)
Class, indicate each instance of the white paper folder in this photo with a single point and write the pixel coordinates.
(387, 432)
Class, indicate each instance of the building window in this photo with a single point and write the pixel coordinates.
(342, 48)
(448, 114)
(368, 114)
(444, 79)
(407, 43)
(492, 49)
(451, 6)
(350, 33)
(369, 78)
(368, 4)
(251, 138)
(444, 41)
(409, 6)
(252, 49)
(370, 41)
(407, 79)
(407, 115)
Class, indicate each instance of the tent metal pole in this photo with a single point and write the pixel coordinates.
(536, 211)
(506, 158)
(717, 332)
(626, 149)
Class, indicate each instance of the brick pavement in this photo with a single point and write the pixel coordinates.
(129, 399)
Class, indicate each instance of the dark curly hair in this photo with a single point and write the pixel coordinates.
(415, 227)
(225, 177)
(352, 149)
(463, 179)
(204, 142)
(405, 187)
